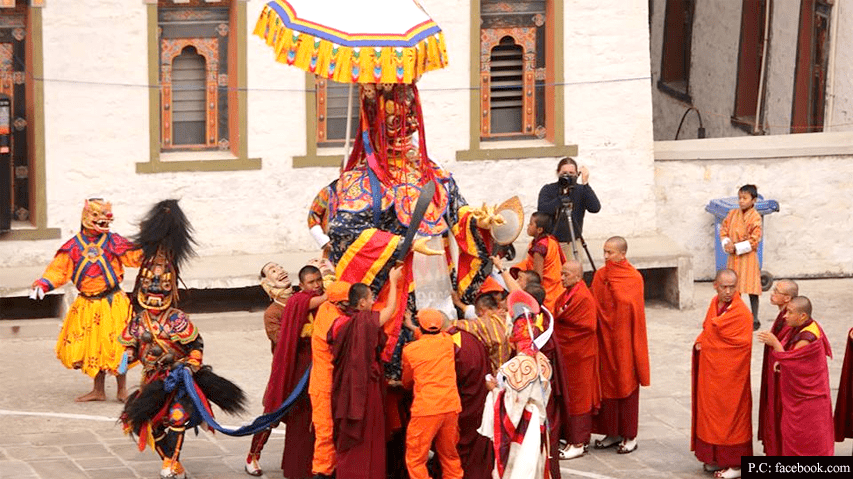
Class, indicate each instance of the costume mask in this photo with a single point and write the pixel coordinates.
(97, 215)
(157, 284)
(275, 281)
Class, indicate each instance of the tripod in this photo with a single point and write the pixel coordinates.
(564, 213)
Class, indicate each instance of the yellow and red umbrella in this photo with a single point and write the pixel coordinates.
(374, 41)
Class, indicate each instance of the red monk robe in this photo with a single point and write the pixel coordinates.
(844, 401)
(549, 248)
(575, 332)
(476, 452)
(803, 425)
(721, 429)
(358, 396)
(623, 349)
(291, 359)
(778, 329)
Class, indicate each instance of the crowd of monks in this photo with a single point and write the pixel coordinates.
(356, 423)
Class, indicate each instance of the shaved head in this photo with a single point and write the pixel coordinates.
(801, 304)
(787, 287)
(571, 273)
(618, 243)
(725, 274)
(573, 266)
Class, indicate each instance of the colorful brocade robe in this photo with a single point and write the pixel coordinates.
(171, 332)
(94, 264)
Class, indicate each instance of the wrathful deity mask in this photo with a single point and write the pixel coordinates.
(157, 284)
(395, 105)
(97, 215)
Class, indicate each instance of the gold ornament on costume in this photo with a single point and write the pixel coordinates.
(97, 215)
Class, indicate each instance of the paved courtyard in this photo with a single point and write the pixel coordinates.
(45, 434)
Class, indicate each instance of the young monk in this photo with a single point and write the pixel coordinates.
(722, 399)
(320, 382)
(357, 382)
(783, 291)
(623, 350)
(291, 359)
(429, 369)
(575, 330)
(799, 402)
(544, 257)
(740, 234)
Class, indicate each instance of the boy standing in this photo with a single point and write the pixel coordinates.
(429, 367)
(740, 234)
(544, 257)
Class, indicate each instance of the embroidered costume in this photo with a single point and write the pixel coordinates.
(165, 342)
(94, 260)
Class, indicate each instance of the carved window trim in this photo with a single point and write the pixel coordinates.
(169, 50)
(526, 38)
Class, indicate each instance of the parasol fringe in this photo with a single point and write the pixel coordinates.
(346, 65)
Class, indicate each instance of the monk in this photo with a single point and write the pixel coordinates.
(844, 400)
(356, 343)
(623, 351)
(291, 359)
(799, 417)
(544, 256)
(722, 399)
(783, 291)
(320, 382)
(472, 365)
(575, 331)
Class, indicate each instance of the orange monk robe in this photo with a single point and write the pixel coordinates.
(320, 390)
(623, 350)
(744, 226)
(721, 429)
(552, 267)
(575, 330)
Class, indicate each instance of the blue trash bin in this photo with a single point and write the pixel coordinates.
(720, 207)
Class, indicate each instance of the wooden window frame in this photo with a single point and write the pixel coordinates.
(744, 114)
(35, 227)
(236, 157)
(804, 118)
(525, 38)
(553, 145)
(681, 45)
(322, 105)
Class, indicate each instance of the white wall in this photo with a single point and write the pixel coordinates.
(95, 134)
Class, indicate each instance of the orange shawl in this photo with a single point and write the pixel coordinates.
(575, 330)
(722, 398)
(623, 347)
(551, 269)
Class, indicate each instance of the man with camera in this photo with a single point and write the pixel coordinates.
(569, 197)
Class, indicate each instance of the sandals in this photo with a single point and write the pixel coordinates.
(728, 473)
(572, 452)
(606, 443)
(627, 446)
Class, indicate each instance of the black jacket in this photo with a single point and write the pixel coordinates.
(583, 200)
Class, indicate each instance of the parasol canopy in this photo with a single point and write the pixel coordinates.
(375, 41)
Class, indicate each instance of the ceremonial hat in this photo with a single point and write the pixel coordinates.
(490, 285)
(520, 302)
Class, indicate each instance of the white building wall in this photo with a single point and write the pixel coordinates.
(97, 133)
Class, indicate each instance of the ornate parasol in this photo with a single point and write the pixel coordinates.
(375, 41)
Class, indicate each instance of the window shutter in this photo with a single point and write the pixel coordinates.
(336, 111)
(189, 95)
(506, 87)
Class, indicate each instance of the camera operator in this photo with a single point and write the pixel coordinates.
(569, 189)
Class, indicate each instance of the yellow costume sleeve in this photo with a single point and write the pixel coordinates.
(58, 272)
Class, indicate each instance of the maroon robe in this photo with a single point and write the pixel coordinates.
(291, 359)
(803, 426)
(472, 365)
(357, 395)
(844, 401)
(778, 329)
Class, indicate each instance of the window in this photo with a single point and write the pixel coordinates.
(332, 112)
(812, 62)
(750, 60)
(675, 59)
(194, 74)
(512, 69)
(197, 57)
(23, 215)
